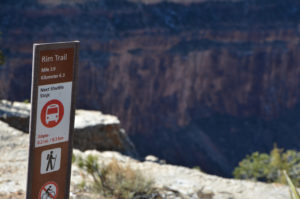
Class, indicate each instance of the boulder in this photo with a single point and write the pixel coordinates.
(16, 114)
(93, 130)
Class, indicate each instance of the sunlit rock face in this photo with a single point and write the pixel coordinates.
(92, 129)
(200, 83)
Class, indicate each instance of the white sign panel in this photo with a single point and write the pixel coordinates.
(50, 160)
(53, 114)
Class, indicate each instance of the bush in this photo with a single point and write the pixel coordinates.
(269, 167)
(115, 180)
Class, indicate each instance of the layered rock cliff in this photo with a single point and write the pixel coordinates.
(196, 84)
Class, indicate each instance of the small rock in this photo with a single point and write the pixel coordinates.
(205, 194)
(151, 158)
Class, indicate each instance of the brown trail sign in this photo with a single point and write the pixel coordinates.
(52, 120)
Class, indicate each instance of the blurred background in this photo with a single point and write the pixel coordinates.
(194, 82)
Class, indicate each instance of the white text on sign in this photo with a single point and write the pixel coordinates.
(54, 58)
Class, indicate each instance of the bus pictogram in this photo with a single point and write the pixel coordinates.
(52, 113)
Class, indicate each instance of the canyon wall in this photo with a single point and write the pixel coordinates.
(198, 84)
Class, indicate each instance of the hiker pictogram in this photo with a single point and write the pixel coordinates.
(52, 113)
(50, 160)
(48, 191)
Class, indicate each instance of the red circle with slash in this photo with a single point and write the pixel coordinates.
(48, 191)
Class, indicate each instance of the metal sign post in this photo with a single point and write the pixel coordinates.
(52, 120)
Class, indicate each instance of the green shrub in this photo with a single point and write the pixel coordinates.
(269, 167)
(253, 167)
(197, 168)
(115, 180)
(26, 101)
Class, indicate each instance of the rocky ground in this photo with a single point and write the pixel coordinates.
(171, 181)
(13, 162)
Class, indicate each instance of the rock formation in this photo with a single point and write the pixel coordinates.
(93, 130)
(202, 83)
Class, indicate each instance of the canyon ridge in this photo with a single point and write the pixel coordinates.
(197, 84)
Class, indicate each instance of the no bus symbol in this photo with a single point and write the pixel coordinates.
(48, 191)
